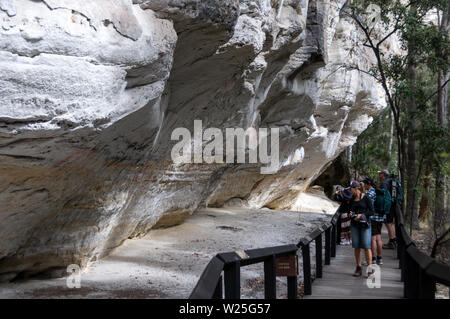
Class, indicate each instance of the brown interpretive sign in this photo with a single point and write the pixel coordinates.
(287, 266)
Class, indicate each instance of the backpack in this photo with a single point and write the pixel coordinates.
(397, 191)
(383, 201)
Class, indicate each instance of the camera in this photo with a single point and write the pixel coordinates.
(363, 223)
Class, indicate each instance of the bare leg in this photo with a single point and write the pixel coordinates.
(368, 253)
(379, 245)
(391, 230)
(358, 257)
(374, 245)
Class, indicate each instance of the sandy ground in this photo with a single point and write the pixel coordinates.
(168, 262)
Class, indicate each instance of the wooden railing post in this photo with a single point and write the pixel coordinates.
(327, 246)
(292, 287)
(232, 275)
(411, 285)
(401, 262)
(397, 232)
(318, 241)
(218, 293)
(406, 275)
(333, 241)
(401, 248)
(306, 270)
(427, 286)
(270, 283)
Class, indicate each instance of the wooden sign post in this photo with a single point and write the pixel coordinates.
(287, 266)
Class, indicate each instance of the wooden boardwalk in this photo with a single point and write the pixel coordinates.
(337, 281)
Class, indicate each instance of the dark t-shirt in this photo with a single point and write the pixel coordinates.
(387, 184)
(363, 206)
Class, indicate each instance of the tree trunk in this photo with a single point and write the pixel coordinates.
(425, 200)
(441, 112)
(411, 169)
(350, 151)
(401, 140)
(391, 135)
(440, 179)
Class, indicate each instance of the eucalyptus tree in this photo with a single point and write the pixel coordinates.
(421, 28)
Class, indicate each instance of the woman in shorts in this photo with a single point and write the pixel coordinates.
(361, 208)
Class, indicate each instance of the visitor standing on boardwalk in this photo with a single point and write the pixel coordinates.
(376, 220)
(394, 188)
(361, 208)
(344, 197)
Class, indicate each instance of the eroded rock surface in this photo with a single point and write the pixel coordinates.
(91, 92)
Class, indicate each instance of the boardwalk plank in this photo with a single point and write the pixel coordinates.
(338, 283)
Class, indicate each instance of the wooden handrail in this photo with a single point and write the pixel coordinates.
(210, 285)
(420, 272)
(209, 279)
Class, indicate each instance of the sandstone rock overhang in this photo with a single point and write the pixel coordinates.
(91, 91)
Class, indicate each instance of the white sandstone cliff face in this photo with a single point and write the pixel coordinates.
(91, 92)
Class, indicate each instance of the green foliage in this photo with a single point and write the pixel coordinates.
(410, 81)
(446, 159)
(371, 152)
(427, 48)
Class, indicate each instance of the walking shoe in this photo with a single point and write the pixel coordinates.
(379, 260)
(374, 260)
(358, 272)
(389, 245)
